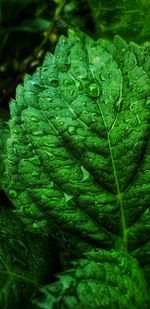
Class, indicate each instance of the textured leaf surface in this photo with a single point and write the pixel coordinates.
(100, 280)
(25, 262)
(129, 18)
(79, 152)
(4, 134)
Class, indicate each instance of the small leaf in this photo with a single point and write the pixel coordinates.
(25, 261)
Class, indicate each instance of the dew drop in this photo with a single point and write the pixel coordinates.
(85, 173)
(51, 185)
(118, 105)
(138, 119)
(66, 82)
(12, 194)
(34, 119)
(68, 197)
(78, 85)
(53, 82)
(148, 102)
(37, 133)
(15, 131)
(35, 161)
(71, 130)
(57, 108)
(61, 123)
(126, 120)
(94, 90)
(49, 154)
(72, 92)
(34, 174)
(44, 198)
(126, 129)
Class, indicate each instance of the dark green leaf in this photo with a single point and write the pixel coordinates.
(127, 18)
(99, 281)
(4, 134)
(25, 262)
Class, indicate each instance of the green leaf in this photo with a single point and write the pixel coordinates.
(126, 18)
(25, 261)
(33, 25)
(79, 153)
(101, 280)
(4, 134)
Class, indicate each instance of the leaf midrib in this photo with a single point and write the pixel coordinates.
(119, 195)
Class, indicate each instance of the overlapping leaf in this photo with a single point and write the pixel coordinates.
(130, 19)
(98, 281)
(25, 262)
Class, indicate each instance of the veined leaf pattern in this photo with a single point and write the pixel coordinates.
(79, 155)
(99, 280)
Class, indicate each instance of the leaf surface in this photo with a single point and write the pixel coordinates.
(25, 262)
(79, 152)
(4, 134)
(99, 280)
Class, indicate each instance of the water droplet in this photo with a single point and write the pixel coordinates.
(118, 105)
(78, 85)
(51, 185)
(132, 106)
(57, 108)
(126, 120)
(37, 133)
(136, 144)
(12, 194)
(66, 82)
(138, 119)
(126, 129)
(49, 99)
(53, 82)
(94, 90)
(49, 154)
(35, 161)
(44, 198)
(15, 131)
(34, 119)
(61, 123)
(71, 130)
(85, 174)
(147, 102)
(68, 197)
(72, 92)
(34, 174)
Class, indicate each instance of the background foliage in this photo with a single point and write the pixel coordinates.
(28, 28)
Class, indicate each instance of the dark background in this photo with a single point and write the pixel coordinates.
(28, 28)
